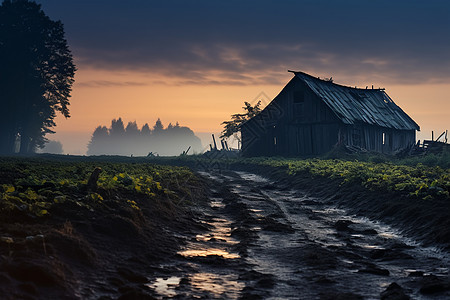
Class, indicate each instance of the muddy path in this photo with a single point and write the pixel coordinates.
(266, 240)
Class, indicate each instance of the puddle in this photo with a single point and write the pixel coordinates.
(207, 252)
(217, 285)
(216, 204)
(367, 246)
(388, 235)
(165, 286)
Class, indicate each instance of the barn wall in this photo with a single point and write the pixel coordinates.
(312, 128)
(304, 126)
(298, 122)
(378, 139)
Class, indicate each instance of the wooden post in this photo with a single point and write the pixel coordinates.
(432, 135)
(214, 140)
(440, 136)
(223, 145)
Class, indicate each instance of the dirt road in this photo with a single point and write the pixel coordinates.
(273, 242)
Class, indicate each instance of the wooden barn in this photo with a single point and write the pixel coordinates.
(310, 116)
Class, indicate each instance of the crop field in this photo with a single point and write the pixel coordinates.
(419, 181)
(33, 187)
(70, 222)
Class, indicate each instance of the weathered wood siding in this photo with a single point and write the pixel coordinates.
(306, 126)
(297, 123)
(376, 138)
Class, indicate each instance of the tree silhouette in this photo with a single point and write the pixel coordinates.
(117, 128)
(99, 140)
(53, 147)
(36, 75)
(232, 127)
(132, 129)
(118, 140)
(146, 131)
(159, 127)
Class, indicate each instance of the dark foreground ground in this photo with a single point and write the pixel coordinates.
(81, 254)
(244, 236)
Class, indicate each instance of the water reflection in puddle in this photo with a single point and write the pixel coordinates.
(207, 252)
(165, 286)
(367, 246)
(388, 235)
(225, 286)
(215, 285)
(221, 232)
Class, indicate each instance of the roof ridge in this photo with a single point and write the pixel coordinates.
(337, 84)
(349, 105)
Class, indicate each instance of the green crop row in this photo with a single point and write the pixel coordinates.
(416, 181)
(33, 186)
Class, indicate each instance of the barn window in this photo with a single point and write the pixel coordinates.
(384, 138)
(298, 107)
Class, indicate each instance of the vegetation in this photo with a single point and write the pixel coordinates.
(425, 177)
(36, 75)
(34, 186)
(232, 127)
(430, 159)
(119, 139)
(419, 181)
(53, 147)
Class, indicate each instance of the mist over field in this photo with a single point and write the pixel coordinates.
(135, 141)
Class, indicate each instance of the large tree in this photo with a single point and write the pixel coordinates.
(36, 75)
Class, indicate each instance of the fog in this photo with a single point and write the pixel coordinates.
(132, 140)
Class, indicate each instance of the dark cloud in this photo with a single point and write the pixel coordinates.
(249, 42)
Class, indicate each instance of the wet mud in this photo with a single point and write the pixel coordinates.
(266, 240)
(248, 237)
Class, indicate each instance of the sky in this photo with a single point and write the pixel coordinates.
(196, 62)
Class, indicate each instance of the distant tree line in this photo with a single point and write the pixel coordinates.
(52, 147)
(36, 75)
(119, 139)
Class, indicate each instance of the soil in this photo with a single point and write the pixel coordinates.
(245, 237)
(77, 253)
(424, 221)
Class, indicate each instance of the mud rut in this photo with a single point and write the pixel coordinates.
(274, 242)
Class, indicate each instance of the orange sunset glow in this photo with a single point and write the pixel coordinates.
(197, 63)
(99, 96)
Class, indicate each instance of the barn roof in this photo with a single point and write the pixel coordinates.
(354, 105)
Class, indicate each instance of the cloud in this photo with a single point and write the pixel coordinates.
(241, 42)
(106, 83)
